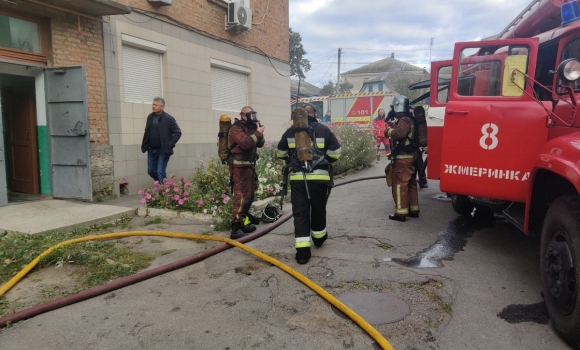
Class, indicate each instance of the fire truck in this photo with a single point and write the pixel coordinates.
(510, 141)
(359, 108)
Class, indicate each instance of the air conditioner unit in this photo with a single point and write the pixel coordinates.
(160, 2)
(239, 17)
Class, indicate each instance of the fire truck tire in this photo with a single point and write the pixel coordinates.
(559, 259)
(461, 204)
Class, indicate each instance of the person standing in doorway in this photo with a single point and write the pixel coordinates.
(161, 135)
(244, 138)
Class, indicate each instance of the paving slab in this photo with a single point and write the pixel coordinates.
(53, 214)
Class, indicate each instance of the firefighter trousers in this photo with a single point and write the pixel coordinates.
(386, 142)
(244, 180)
(309, 214)
(405, 192)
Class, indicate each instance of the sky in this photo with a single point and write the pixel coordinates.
(370, 30)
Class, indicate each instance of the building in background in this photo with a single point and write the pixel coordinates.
(77, 79)
(306, 89)
(384, 75)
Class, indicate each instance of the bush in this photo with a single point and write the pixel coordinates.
(357, 148)
(208, 189)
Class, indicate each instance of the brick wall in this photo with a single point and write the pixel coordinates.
(208, 16)
(73, 47)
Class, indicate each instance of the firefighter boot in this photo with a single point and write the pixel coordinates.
(303, 255)
(237, 232)
(318, 242)
(397, 217)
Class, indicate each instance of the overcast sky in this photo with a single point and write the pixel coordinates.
(369, 30)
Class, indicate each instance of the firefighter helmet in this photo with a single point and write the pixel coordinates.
(400, 104)
(271, 213)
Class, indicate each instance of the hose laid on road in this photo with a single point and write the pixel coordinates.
(99, 290)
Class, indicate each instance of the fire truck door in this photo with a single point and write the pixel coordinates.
(439, 94)
(493, 126)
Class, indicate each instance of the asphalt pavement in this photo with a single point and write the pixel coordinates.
(461, 280)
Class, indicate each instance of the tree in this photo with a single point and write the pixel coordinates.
(329, 88)
(402, 87)
(298, 64)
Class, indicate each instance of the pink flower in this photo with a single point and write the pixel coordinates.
(199, 203)
(176, 197)
(227, 199)
(140, 192)
(148, 196)
(180, 201)
(187, 184)
(224, 195)
(175, 189)
(156, 182)
(185, 193)
(152, 199)
(166, 190)
(217, 201)
(274, 193)
(181, 178)
(143, 200)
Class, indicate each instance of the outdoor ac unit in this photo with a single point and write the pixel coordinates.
(161, 2)
(239, 17)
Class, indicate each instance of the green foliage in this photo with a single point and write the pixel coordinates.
(402, 87)
(298, 64)
(357, 148)
(208, 191)
(329, 88)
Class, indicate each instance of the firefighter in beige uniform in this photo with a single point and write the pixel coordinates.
(402, 136)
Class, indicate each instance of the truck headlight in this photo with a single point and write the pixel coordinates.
(569, 70)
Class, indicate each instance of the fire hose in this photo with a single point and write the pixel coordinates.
(228, 243)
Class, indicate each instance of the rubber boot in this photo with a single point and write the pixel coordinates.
(249, 228)
(414, 215)
(397, 218)
(318, 242)
(303, 255)
(237, 232)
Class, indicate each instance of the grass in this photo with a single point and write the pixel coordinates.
(18, 250)
(155, 220)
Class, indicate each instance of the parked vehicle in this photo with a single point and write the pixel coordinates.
(510, 142)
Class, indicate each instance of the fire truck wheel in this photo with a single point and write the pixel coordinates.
(461, 204)
(559, 258)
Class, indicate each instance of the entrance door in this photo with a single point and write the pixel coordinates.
(493, 128)
(67, 117)
(20, 110)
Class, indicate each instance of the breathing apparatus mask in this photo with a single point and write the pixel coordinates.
(252, 118)
(400, 104)
(271, 213)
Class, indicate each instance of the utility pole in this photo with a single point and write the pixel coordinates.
(430, 47)
(338, 73)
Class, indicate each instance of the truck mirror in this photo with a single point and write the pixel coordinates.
(569, 70)
(513, 76)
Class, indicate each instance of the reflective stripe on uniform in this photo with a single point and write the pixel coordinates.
(414, 208)
(317, 174)
(320, 142)
(318, 234)
(281, 154)
(242, 162)
(247, 221)
(334, 154)
(302, 242)
(291, 142)
(255, 138)
(405, 156)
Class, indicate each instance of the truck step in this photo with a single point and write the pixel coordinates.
(515, 213)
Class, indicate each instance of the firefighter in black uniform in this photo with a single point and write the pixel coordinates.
(310, 182)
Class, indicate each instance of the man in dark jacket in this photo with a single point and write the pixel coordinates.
(161, 135)
(310, 183)
(244, 138)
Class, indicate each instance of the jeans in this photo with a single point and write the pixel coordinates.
(157, 164)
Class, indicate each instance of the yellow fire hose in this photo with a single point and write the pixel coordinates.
(327, 296)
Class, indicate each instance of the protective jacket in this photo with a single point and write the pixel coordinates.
(325, 145)
(244, 140)
(402, 137)
(169, 133)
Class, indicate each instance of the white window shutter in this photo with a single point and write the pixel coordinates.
(229, 90)
(141, 74)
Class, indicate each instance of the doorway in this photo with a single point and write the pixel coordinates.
(18, 101)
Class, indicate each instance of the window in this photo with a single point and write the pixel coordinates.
(229, 90)
(481, 70)
(370, 88)
(22, 38)
(380, 87)
(141, 74)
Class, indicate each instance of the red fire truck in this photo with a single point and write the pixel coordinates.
(359, 108)
(510, 141)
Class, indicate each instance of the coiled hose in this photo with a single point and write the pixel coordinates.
(99, 290)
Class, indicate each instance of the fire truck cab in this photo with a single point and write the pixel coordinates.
(510, 144)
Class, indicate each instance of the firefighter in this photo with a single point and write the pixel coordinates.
(378, 127)
(310, 181)
(403, 139)
(245, 136)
